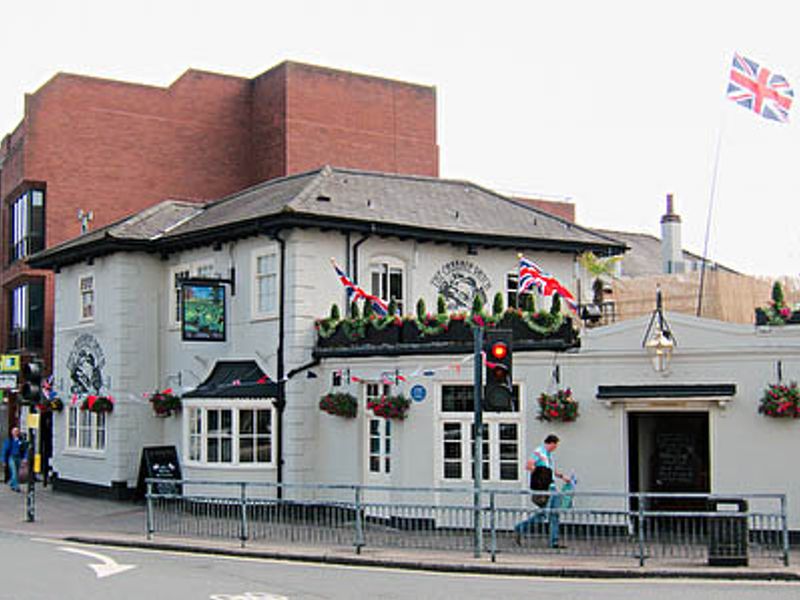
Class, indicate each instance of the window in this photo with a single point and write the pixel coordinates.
(265, 283)
(230, 435)
(387, 283)
(86, 285)
(501, 438)
(27, 316)
(379, 434)
(512, 284)
(27, 224)
(183, 272)
(85, 430)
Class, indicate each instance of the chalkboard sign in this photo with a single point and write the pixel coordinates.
(676, 461)
(160, 462)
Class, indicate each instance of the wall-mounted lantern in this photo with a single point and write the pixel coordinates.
(658, 339)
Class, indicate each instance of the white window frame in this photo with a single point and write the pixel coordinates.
(493, 423)
(385, 267)
(199, 268)
(85, 431)
(195, 443)
(258, 278)
(379, 437)
(83, 294)
(512, 285)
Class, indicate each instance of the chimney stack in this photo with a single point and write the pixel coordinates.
(671, 247)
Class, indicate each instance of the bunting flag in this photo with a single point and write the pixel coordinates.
(47, 388)
(355, 292)
(530, 273)
(756, 88)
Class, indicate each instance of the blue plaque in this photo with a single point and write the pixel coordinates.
(418, 393)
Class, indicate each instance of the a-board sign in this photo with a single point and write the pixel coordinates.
(160, 462)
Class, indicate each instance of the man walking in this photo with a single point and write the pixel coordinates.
(542, 458)
(13, 452)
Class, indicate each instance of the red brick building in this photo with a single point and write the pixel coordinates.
(111, 148)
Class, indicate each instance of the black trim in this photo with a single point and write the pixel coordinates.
(680, 390)
(74, 253)
(432, 348)
(117, 490)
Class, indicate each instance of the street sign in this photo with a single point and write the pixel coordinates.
(9, 362)
(8, 381)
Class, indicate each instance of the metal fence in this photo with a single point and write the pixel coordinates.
(729, 530)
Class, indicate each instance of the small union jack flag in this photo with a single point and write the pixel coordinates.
(356, 292)
(758, 89)
(47, 388)
(531, 274)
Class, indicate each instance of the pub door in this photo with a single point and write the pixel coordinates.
(668, 452)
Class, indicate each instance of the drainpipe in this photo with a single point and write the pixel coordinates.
(355, 256)
(280, 403)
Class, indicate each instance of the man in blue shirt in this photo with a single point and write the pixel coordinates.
(13, 452)
(543, 457)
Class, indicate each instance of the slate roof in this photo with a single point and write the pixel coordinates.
(406, 206)
(643, 259)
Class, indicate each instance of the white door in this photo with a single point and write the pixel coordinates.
(378, 451)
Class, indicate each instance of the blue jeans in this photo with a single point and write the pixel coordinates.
(549, 513)
(13, 465)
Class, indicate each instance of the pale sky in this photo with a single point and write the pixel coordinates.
(610, 104)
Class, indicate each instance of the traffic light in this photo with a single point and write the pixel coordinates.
(498, 393)
(32, 386)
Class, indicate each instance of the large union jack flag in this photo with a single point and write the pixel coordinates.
(531, 274)
(758, 89)
(355, 292)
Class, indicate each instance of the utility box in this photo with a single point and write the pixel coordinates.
(727, 532)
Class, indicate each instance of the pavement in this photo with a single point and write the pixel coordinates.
(89, 520)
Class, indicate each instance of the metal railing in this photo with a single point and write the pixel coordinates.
(728, 530)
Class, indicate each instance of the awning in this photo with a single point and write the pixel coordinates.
(235, 379)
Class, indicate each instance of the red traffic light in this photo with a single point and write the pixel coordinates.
(499, 351)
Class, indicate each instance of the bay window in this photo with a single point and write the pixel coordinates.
(230, 434)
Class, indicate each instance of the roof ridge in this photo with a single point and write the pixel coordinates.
(260, 185)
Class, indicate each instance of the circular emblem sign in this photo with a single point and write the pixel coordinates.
(418, 393)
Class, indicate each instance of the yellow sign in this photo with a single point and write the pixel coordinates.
(9, 362)
(33, 421)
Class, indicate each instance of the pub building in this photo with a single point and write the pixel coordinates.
(230, 307)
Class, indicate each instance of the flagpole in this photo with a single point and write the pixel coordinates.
(712, 195)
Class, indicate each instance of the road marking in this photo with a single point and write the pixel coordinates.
(248, 596)
(107, 566)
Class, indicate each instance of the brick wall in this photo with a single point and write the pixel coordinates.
(115, 148)
(350, 120)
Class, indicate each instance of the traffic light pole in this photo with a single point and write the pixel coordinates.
(477, 475)
(30, 497)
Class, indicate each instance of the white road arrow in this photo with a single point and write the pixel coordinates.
(105, 568)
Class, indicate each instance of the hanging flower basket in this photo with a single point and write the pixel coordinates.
(560, 406)
(780, 401)
(390, 407)
(165, 403)
(98, 404)
(51, 405)
(340, 404)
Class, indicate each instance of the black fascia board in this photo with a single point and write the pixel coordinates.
(54, 259)
(687, 390)
(168, 244)
(288, 220)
